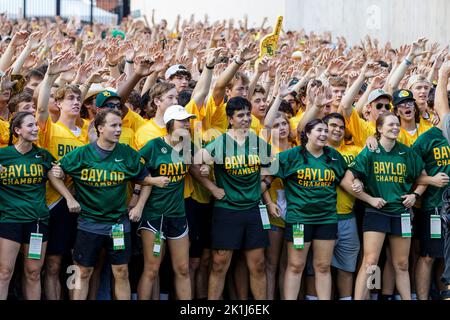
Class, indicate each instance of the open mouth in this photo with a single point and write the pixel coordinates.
(408, 112)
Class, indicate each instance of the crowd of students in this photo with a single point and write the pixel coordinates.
(302, 175)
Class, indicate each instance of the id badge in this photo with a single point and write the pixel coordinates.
(157, 244)
(118, 237)
(298, 233)
(435, 226)
(406, 225)
(264, 216)
(35, 247)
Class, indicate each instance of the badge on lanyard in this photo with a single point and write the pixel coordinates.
(35, 247)
(298, 233)
(406, 225)
(264, 216)
(435, 225)
(118, 237)
(157, 244)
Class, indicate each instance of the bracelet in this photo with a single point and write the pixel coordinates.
(136, 191)
(238, 62)
(129, 61)
(112, 65)
(408, 63)
(210, 68)
(417, 195)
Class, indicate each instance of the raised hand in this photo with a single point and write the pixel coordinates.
(34, 40)
(418, 48)
(248, 52)
(262, 65)
(212, 57)
(143, 66)
(61, 63)
(19, 38)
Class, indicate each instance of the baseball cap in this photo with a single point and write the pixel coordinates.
(174, 69)
(176, 112)
(378, 93)
(118, 33)
(103, 96)
(402, 96)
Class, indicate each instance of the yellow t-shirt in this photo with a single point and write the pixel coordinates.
(345, 201)
(58, 139)
(424, 125)
(4, 133)
(361, 130)
(130, 124)
(256, 125)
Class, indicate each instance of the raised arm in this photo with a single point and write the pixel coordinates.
(260, 67)
(32, 44)
(202, 87)
(6, 58)
(244, 54)
(441, 99)
(58, 65)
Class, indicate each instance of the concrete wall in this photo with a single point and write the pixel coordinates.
(398, 21)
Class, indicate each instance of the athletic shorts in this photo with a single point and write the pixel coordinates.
(199, 217)
(238, 229)
(88, 246)
(63, 229)
(347, 245)
(378, 221)
(313, 232)
(171, 228)
(20, 232)
(429, 247)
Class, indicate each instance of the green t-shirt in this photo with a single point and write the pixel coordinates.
(101, 185)
(237, 169)
(388, 175)
(311, 187)
(162, 160)
(434, 150)
(22, 190)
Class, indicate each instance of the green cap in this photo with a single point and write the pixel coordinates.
(103, 96)
(116, 33)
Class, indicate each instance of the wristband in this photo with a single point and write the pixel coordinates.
(417, 195)
(239, 62)
(408, 63)
(111, 65)
(210, 68)
(136, 191)
(129, 61)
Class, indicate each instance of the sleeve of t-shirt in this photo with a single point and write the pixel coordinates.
(49, 160)
(360, 166)
(69, 162)
(340, 167)
(415, 164)
(278, 166)
(212, 147)
(137, 163)
(359, 129)
(147, 154)
(44, 136)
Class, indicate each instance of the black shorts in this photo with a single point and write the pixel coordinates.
(238, 229)
(199, 217)
(172, 228)
(429, 247)
(376, 220)
(415, 223)
(20, 232)
(88, 246)
(63, 229)
(311, 232)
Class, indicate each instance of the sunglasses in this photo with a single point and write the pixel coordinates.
(407, 103)
(380, 106)
(111, 105)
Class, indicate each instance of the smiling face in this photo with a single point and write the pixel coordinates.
(28, 130)
(336, 130)
(390, 127)
(318, 136)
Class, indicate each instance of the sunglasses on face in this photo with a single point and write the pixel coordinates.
(380, 106)
(111, 105)
(407, 104)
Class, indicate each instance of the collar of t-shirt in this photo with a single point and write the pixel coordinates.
(101, 152)
(76, 132)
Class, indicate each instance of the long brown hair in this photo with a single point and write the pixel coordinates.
(16, 122)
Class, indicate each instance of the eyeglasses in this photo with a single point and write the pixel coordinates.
(111, 105)
(407, 103)
(380, 106)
